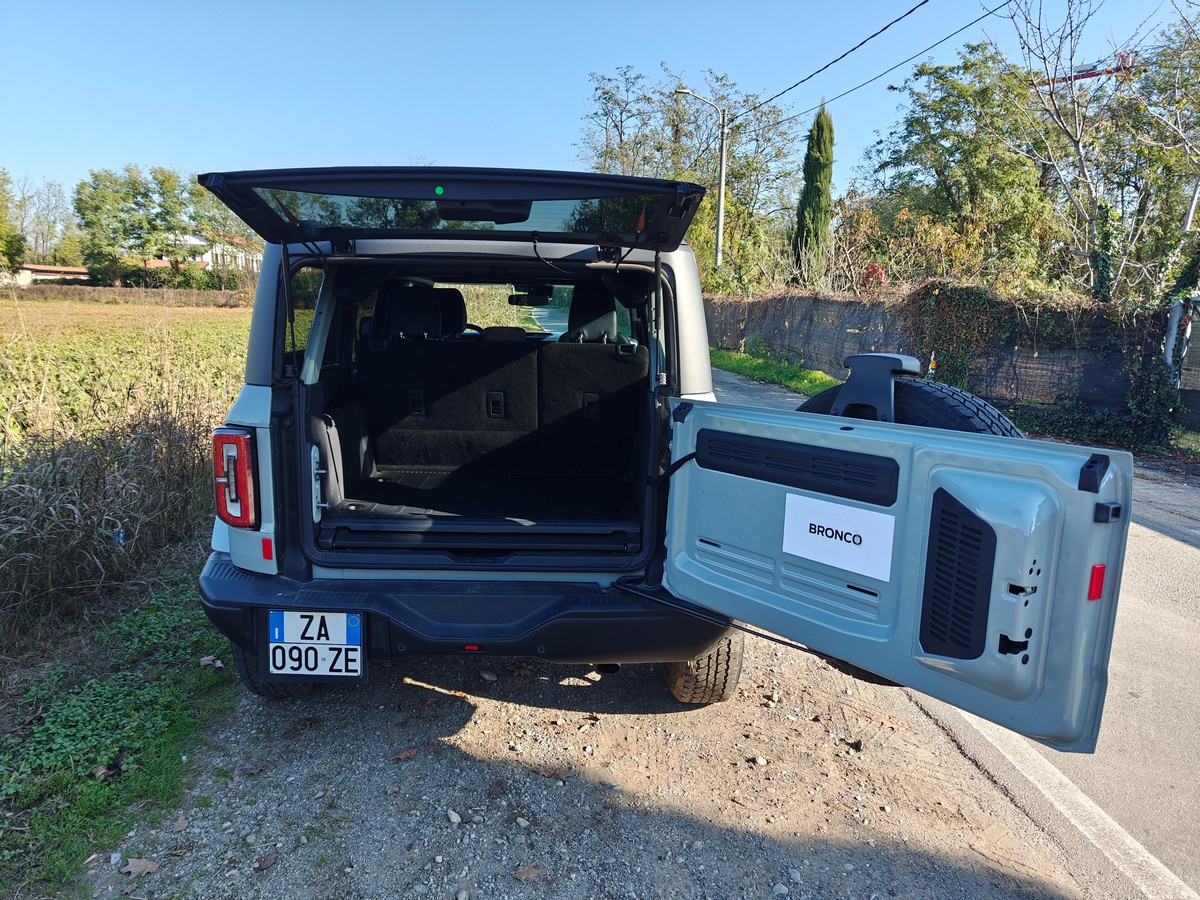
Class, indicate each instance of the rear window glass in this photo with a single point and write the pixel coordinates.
(487, 306)
(622, 216)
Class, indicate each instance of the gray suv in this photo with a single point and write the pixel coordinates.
(394, 479)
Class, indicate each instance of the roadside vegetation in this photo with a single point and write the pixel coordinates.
(99, 739)
(106, 413)
(105, 417)
(761, 366)
(1015, 178)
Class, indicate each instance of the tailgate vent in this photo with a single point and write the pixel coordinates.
(958, 578)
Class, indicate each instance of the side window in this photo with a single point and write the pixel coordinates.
(305, 286)
(623, 326)
(364, 315)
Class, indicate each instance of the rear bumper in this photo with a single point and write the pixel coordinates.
(562, 622)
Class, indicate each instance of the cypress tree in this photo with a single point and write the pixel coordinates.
(814, 212)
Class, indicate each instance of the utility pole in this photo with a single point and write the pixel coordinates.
(724, 114)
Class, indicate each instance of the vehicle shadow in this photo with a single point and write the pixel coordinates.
(549, 781)
(535, 683)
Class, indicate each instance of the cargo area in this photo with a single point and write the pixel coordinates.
(429, 432)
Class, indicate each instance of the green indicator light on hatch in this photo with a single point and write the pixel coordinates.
(439, 190)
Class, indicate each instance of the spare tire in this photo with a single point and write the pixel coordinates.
(932, 405)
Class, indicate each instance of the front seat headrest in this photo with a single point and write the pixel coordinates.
(454, 311)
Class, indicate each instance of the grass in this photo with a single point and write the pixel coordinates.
(768, 369)
(129, 703)
(487, 305)
(73, 367)
(105, 416)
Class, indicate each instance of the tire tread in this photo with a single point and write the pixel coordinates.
(711, 677)
(942, 405)
(247, 672)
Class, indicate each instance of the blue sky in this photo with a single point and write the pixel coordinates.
(238, 85)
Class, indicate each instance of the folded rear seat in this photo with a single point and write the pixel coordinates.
(433, 403)
(592, 388)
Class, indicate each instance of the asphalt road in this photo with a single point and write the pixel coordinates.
(1143, 776)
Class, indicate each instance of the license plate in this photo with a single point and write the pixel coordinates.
(315, 643)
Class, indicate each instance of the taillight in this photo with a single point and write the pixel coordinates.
(233, 476)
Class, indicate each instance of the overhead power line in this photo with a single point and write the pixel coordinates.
(812, 75)
(952, 34)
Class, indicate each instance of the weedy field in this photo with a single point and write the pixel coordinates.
(105, 415)
(105, 412)
(105, 483)
(108, 666)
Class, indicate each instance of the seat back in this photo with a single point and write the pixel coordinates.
(454, 311)
(592, 317)
(430, 402)
(591, 388)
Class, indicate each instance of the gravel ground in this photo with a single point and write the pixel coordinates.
(476, 777)
(483, 777)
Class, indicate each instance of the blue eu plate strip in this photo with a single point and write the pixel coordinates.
(354, 629)
(275, 629)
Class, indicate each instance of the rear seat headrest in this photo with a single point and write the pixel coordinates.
(409, 312)
(593, 314)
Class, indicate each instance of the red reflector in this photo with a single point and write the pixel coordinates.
(1096, 585)
(268, 549)
(471, 648)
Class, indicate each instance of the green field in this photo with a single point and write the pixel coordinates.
(74, 367)
(105, 474)
(105, 416)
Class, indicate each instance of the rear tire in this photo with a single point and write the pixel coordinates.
(247, 672)
(711, 677)
(932, 405)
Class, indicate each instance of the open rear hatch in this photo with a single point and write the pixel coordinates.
(298, 205)
(431, 443)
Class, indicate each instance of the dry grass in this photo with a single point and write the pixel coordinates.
(105, 416)
(80, 293)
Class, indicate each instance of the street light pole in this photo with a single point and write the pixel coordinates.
(724, 113)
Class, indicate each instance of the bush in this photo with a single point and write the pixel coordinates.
(961, 324)
(81, 514)
(105, 419)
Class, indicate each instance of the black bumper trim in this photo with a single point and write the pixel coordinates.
(575, 622)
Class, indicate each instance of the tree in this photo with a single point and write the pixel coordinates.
(814, 212)
(129, 217)
(1107, 152)
(49, 215)
(639, 127)
(957, 161)
(12, 241)
(104, 205)
(167, 223)
(232, 239)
